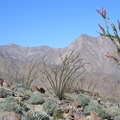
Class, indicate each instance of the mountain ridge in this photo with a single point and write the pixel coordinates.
(93, 49)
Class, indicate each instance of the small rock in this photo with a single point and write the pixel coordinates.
(9, 116)
(88, 118)
(34, 88)
(42, 90)
(70, 117)
(74, 104)
(6, 85)
(65, 109)
(71, 113)
(95, 116)
(98, 100)
(76, 116)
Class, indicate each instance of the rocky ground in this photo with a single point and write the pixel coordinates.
(17, 103)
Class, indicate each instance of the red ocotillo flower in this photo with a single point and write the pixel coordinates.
(109, 56)
(103, 31)
(113, 57)
(103, 13)
(100, 27)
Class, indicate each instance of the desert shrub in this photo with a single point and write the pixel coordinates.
(90, 107)
(28, 92)
(96, 108)
(20, 90)
(114, 111)
(23, 74)
(50, 93)
(103, 113)
(37, 116)
(9, 105)
(58, 116)
(12, 104)
(61, 77)
(51, 107)
(117, 118)
(83, 100)
(36, 98)
(5, 93)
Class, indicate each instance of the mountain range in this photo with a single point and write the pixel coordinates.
(92, 49)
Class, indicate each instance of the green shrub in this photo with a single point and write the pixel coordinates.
(12, 104)
(98, 109)
(28, 93)
(20, 90)
(23, 91)
(90, 107)
(83, 100)
(114, 111)
(50, 93)
(36, 98)
(51, 107)
(103, 113)
(117, 118)
(5, 93)
(9, 105)
(58, 116)
(37, 116)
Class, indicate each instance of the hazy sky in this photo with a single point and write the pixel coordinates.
(55, 23)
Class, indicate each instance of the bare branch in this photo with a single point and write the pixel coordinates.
(61, 77)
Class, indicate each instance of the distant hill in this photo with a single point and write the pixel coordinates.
(93, 49)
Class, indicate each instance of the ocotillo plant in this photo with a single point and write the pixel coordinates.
(62, 77)
(115, 38)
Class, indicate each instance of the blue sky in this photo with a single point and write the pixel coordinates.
(55, 23)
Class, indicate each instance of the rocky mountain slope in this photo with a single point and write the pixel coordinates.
(90, 48)
(100, 70)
